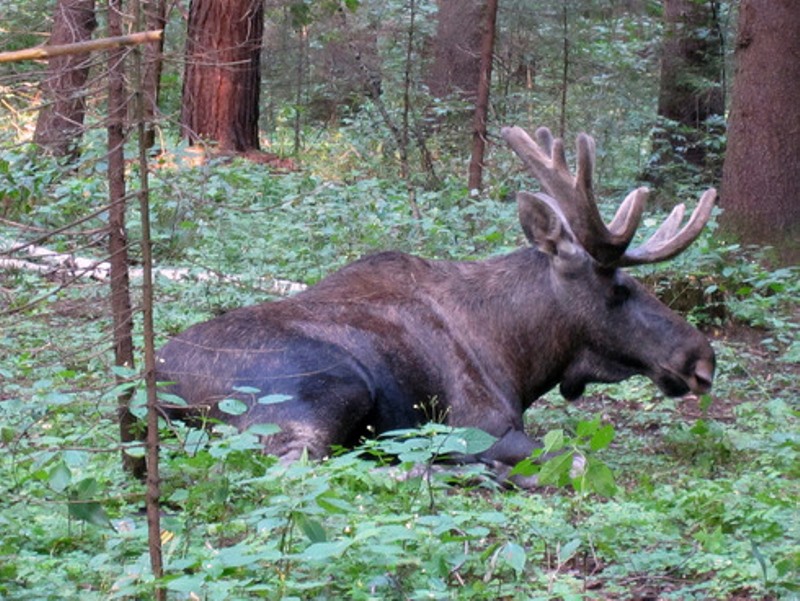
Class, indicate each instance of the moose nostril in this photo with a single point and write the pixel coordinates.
(704, 375)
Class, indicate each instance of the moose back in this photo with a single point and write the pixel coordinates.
(393, 340)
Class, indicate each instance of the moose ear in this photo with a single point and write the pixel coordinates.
(545, 226)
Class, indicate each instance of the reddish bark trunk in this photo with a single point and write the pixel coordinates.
(60, 122)
(122, 313)
(457, 49)
(760, 187)
(482, 102)
(222, 77)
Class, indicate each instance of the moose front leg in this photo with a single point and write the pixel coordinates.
(513, 447)
(505, 453)
(510, 449)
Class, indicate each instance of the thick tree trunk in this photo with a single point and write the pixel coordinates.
(482, 102)
(455, 69)
(691, 87)
(60, 123)
(760, 186)
(222, 76)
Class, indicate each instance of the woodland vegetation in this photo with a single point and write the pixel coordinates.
(138, 198)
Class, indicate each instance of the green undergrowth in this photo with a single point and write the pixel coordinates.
(683, 498)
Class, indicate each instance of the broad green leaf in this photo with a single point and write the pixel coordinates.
(89, 511)
(587, 428)
(600, 478)
(134, 449)
(553, 441)
(60, 477)
(247, 389)
(568, 550)
(7, 434)
(602, 437)
(58, 398)
(324, 551)
(700, 428)
(195, 440)
(191, 584)
(171, 399)
(236, 556)
(554, 469)
(333, 504)
(86, 488)
(82, 507)
(476, 440)
(526, 467)
(272, 399)
(514, 555)
(123, 371)
(313, 530)
(263, 429)
(232, 406)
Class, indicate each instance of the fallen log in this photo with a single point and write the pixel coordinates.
(68, 265)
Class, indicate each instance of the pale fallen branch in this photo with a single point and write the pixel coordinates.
(50, 262)
(43, 52)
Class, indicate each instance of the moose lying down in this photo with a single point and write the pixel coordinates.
(392, 339)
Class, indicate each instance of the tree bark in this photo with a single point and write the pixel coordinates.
(60, 122)
(222, 77)
(760, 186)
(155, 18)
(691, 87)
(153, 444)
(455, 69)
(122, 313)
(482, 102)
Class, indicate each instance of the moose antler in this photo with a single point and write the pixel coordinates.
(608, 244)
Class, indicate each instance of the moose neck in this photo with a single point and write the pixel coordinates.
(510, 305)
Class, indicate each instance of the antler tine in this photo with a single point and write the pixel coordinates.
(628, 215)
(545, 138)
(575, 196)
(667, 241)
(574, 193)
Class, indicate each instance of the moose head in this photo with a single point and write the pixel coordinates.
(392, 340)
(565, 223)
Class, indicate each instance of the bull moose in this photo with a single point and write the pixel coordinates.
(392, 339)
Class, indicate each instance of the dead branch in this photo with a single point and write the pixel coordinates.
(45, 52)
(48, 261)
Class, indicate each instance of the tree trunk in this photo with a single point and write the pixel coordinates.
(482, 102)
(60, 123)
(153, 443)
(455, 69)
(691, 87)
(122, 313)
(760, 186)
(155, 17)
(562, 117)
(222, 77)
